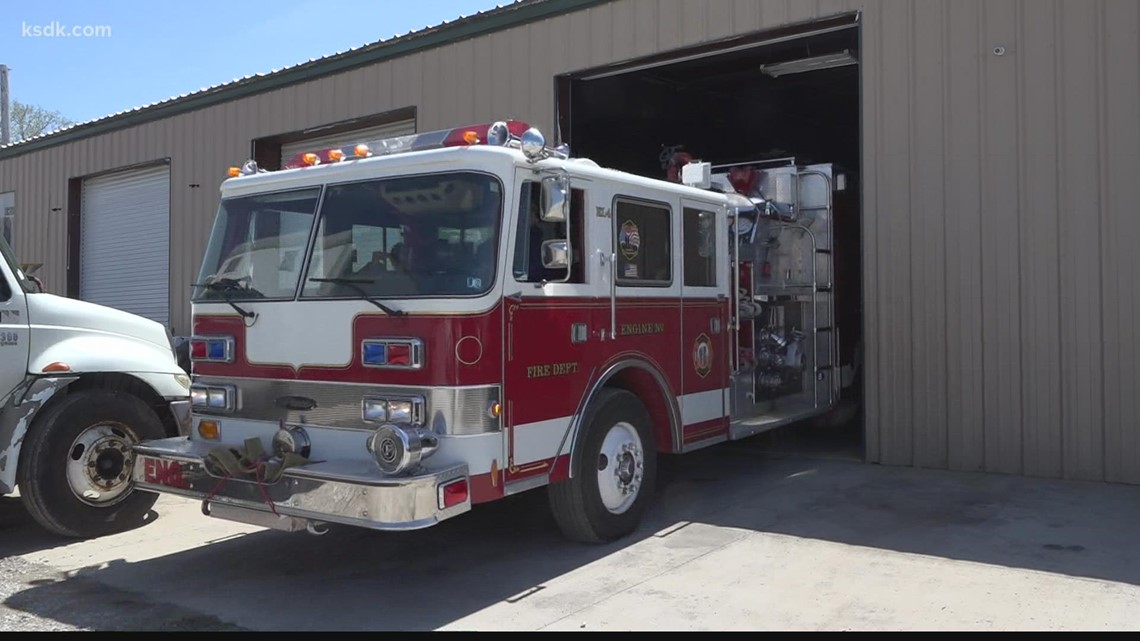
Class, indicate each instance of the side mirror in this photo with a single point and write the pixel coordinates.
(555, 195)
(556, 254)
(39, 283)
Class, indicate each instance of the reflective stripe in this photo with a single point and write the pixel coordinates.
(538, 441)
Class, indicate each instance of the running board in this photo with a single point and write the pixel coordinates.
(745, 427)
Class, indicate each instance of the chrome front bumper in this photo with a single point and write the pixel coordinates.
(344, 492)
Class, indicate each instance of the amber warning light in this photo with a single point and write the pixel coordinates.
(458, 137)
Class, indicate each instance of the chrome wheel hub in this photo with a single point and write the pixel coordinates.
(621, 468)
(99, 463)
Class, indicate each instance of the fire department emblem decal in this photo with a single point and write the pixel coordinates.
(702, 356)
(629, 239)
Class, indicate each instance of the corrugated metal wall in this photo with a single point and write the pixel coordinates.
(1003, 326)
(1000, 236)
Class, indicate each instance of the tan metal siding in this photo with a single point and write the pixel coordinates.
(1082, 425)
(1000, 335)
(886, 46)
(1000, 229)
(927, 195)
(601, 41)
(1120, 235)
(873, 323)
(1039, 243)
(645, 15)
(482, 77)
(432, 108)
(500, 80)
(537, 79)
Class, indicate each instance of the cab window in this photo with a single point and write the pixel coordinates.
(532, 232)
(644, 244)
(699, 246)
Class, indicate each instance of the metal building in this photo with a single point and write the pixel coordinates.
(995, 141)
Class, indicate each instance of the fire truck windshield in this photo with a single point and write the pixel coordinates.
(407, 237)
(257, 247)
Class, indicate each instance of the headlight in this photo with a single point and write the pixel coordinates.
(213, 397)
(198, 396)
(375, 410)
(400, 411)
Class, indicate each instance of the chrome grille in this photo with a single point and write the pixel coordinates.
(450, 410)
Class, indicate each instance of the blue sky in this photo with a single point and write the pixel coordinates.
(157, 48)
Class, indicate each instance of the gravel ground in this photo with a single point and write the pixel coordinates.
(15, 576)
(35, 598)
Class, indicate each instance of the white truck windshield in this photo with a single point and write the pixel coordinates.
(9, 259)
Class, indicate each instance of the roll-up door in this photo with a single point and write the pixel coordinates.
(125, 242)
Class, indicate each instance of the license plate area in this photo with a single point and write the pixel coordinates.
(169, 473)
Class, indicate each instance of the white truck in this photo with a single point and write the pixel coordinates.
(80, 385)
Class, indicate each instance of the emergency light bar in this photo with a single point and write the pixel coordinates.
(458, 137)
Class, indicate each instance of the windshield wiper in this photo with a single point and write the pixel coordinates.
(355, 283)
(223, 286)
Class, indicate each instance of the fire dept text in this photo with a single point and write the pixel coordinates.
(551, 369)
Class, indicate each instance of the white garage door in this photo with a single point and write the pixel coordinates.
(343, 139)
(125, 242)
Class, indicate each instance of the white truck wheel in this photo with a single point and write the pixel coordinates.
(75, 465)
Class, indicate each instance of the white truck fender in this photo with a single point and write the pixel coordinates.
(19, 412)
(16, 416)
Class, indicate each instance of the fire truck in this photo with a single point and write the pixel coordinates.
(389, 333)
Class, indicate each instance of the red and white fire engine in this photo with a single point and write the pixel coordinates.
(390, 333)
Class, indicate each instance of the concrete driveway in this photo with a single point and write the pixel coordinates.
(738, 540)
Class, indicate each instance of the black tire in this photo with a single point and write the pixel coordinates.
(577, 503)
(44, 459)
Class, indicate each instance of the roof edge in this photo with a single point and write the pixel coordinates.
(480, 24)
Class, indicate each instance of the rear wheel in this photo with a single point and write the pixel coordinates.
(612, 483)
(76, 463)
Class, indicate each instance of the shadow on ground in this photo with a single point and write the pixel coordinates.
(19, 534)
(509, 550)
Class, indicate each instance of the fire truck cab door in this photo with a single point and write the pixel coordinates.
(705, 285)
(552, 329)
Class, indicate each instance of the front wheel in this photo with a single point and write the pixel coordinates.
(76, 463)
(612, 482)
